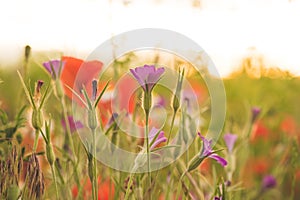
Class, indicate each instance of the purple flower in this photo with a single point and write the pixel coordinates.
(255, 112)
(268, 182)
(208, 152)
(147, 76)
(74, 125)
(56, 64)
(230, 141)
(159, 139)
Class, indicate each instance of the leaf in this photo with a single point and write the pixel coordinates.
(87, 98)
(27, 91)
(101, 94)
(77, 95)
(46, 94)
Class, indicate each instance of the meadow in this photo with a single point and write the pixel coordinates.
(56, 114)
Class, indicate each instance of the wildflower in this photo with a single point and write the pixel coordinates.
(147, 76)
(78, 74)
(255, 112)
(260, 131)
(156, 137)
(230, 141)
(74, 125)
(54, 67)
(106, 189)
(206, 152)
(268, 182)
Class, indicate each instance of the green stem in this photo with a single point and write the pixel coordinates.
(68, 129)
(180, 168)
(36, 139)
(55, 181)
(95, 186)
(69, 139)
(171, 128)
(148, 149)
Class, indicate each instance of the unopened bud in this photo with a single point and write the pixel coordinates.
(94, 88)
(194, 163)
(50, 154)
(37, 119)
(27, 51)
(92, 119)
(39, 86)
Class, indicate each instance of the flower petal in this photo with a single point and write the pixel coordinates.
(230, 141)
(219, 159)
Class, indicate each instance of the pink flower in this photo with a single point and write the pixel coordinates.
(268, 182)
(54, 65)
(208, 152)
(74, 125)
(230, 141)
(147, 76)
(158, 140)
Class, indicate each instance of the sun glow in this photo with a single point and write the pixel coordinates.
(224, 30)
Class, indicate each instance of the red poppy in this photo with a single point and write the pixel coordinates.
(105, 190)
(288, 125)
(78, 74)
(259, 131)
(125, 94)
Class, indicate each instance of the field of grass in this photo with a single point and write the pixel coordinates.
(43, 157)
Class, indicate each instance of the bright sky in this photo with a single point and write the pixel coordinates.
(224, 29)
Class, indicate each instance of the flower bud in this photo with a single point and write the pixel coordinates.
(177, 96)
(194, 163)
(50, 154)
(27, 51)
(37, 119)
(92, 119)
